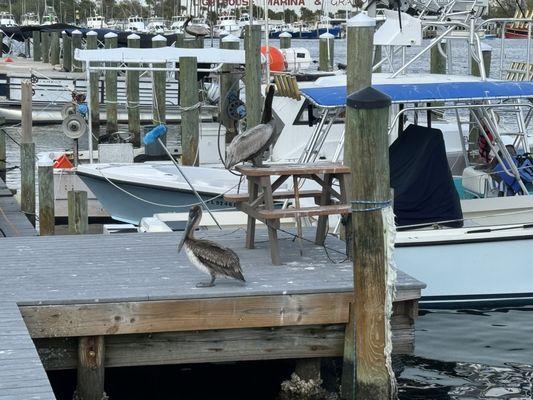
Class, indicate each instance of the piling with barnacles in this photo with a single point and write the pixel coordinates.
(229, 86)
(76, 44)
(190, 114)
(67, 52)
(36, 45)
(94, 97)
(252, 78)
(285, 40)
(325, 51)
(159, 87)
(132, 94)
(367, 341)
(54, 48)
(111, 41)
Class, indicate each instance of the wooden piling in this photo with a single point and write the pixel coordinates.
(132, 84)
(90, 374)
(94, 97)
(3, 155)
(252, 78)
(111, 41)
(27, 48)
(67, 52)
(325, 51)
(285, 40)
(46, 199)
(229, 83)
(45, 47)
(437, 61)
(366, 150)
(54, 48)
(78, 217)
(377, 56)
(76, 44)
(189, 118)
(27, 155)
(486, 51)
(36, 46)
(159, 87)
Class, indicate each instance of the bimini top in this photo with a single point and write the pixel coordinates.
(160, 55)
(331, 92)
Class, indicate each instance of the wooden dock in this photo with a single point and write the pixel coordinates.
(137, 292)
(13, 222)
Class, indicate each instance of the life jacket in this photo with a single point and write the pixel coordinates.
(483, 144)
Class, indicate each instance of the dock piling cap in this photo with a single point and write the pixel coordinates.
(368, 99)
(361, 20)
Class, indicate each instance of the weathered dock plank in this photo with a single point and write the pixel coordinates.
(140, 286)
(13, 222)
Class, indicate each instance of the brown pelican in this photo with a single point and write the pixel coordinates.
(250, 145)
(195, 30)
(206, 255)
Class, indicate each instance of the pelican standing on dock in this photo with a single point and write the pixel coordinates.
(195, 30)
(250, 145)
(206, 255)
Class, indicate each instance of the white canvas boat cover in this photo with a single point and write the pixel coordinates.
(160, 55)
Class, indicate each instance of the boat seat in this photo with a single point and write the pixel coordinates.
(279, 195)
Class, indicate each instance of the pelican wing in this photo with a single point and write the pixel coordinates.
(221, 260)
(248, 144)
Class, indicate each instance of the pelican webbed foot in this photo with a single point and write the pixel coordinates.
(206, 284)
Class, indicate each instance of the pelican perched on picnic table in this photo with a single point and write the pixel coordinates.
(195, 30)
(251, 144)
(209, 257)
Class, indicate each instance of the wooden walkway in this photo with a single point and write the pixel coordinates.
(126, 286)
(12, 221)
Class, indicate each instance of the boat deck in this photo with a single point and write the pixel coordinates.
(12, 221)
(126, 285)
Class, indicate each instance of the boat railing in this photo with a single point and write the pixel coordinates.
(502, 23)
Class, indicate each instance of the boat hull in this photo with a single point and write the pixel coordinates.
(312, 34)
(516, 34)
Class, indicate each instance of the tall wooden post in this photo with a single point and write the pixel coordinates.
(486, 52)
(159, 87)
(189, 118)
(437, 61)
(229, 83)
(78, 217)
(367, 116)
(366, 152)
(54, 48)
(94, 97)
(76, 44)
(27, 48)
(325, 51)
(111, 40)
(377, 56)
(90, 382)
(45, 47)
(3, 155)
(132, 84)
(252, 78)
(27, 155)
(285, 40)
(46, 199)
(36, 46)
(67, 52)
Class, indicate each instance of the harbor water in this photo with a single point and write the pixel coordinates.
(462, 354)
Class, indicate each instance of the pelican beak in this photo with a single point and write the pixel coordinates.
(188, 229)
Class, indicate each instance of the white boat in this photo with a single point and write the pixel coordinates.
(29, 19)
(96, 22)
(7, 20)
(177, 23)
(156, 25)
(227, 25)
(135, 24)
(49, 16)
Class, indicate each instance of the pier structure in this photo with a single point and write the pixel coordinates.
(134, 299)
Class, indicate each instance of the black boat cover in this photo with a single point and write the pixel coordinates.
(424, 191)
